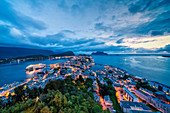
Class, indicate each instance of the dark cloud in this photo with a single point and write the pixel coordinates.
(108, 48)
(119, 41)
(160, 21)
(140, 6)
(157, 33)
(166, 48)
(147, 5)
(157, 26)
(102, 27)
(94, 43)
(69, 21)
(8, 14)
(5, 35)
(60, 39)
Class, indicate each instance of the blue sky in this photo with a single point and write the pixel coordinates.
(85, 26)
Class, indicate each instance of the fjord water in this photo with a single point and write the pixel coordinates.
(156, 68)
(15, 72)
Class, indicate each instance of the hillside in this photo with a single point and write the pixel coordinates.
(68, 53)
(12, 52)
(58, 96)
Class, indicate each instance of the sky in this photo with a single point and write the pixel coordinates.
(85, 26)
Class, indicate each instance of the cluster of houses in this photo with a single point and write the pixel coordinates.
(125, 85)
(128, 96)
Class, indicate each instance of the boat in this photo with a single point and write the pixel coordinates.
(35, 68)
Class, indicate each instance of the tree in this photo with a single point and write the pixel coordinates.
(80, 79)
(20, 93)
(54, 85)
(45, 110)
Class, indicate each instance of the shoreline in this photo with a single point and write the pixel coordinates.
(126, 72)
(135, 75)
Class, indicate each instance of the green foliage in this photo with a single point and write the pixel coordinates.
(54, 85)
(105, 78)
(88, 82)
(144, 85)
(109, 82)
(109, 90)
(59, 96)
(80, 79)
(19, 91)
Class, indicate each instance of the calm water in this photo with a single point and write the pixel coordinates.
(15, 72)
(154, 68)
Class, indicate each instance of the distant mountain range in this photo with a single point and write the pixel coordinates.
(68, 53)
(99, 53)
(13, 52)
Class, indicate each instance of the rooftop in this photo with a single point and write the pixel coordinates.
(137, 111)
(129, 104)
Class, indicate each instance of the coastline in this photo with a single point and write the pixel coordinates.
(125, 71)
(134, 76)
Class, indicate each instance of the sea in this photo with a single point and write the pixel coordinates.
(155, 68)
(15, 72)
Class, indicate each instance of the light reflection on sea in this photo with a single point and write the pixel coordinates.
(16, 72)
(154, 68)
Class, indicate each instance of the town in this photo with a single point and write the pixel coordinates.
(112, 87)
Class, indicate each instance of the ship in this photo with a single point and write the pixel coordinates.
(35, 68)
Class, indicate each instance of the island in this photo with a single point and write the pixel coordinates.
(99, 53)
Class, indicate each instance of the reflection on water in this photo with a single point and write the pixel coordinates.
(16, 72)
(151, 67)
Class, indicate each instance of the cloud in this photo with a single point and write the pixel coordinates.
(85, 25)
(150, 43)
(7, 13)
(15, 32)
(119, 41)
(157, 33)
(165, 49)
(147, 5)
(102, 27)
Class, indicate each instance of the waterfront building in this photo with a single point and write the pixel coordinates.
(155, 102)
(129, 96)
(142, 95)
(160, 87)
(159, 104)
(137, 111)
(131, 107)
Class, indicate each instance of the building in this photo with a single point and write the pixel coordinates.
(159, 104)
(155, 102)
(160, 87)
(137, 111)
(96, 97)
(108, 102)
(134, 107)
(129, 96)
(142, 95)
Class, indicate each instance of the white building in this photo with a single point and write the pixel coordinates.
(129, 96)
(129, 107)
